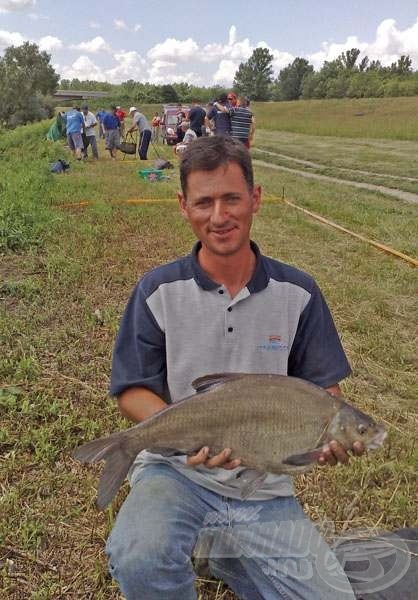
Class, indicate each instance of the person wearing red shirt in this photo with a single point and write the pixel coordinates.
(121, 114)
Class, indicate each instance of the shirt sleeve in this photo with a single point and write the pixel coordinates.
(139, 357)
(317, 354)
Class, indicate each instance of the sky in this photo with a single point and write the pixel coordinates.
(202, 42)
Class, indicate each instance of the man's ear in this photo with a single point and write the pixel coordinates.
(256, 198)
(182, 204)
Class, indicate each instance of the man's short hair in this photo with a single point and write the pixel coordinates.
(243, 101)
(210, 153)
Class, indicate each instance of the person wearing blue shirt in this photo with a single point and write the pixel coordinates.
(75, 127)
(99, 116)
(111, 127)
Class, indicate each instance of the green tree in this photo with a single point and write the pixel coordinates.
(402, 67)
(25, 74)
(291, 79)
(253, 78)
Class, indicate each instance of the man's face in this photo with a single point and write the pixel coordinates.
(220, 207)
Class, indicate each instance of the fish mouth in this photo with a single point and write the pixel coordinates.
(378, 440)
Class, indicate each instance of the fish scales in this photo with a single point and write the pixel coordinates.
(273, 423)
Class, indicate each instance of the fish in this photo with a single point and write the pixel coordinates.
(273, 423)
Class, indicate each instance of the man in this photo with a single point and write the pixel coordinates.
(155, 123)
(188, 136)
(210, 312)
(89, 137)
(221, 123)
(242, 120)
(111, 128)
(99, 116)
(75, 126)
(140, 122)
(121, 114)
(197, 116)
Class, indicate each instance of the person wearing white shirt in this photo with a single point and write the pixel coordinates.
(89, 136)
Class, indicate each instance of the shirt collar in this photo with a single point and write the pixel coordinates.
(258, 281)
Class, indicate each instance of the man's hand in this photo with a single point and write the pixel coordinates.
(334, 453)
(219, 460)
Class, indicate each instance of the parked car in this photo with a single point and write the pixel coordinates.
(169, 122)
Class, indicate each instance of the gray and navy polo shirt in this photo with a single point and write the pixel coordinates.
(180, 325)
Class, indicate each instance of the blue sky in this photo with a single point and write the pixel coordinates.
(200, 41)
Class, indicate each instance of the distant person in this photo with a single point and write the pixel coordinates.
(75, 128)
(89, 136)
(111, 127)
(221, 123)
(99, 116)
(155, 123)
(140, 122)
(181, 116)
(197, 116)
(189, 135)
(242, 120)
(121, 114)
(232, 99)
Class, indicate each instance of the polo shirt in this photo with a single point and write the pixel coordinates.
(74, 121)
(110, 121)
(179, 325)
(141, 122)
(241, 119)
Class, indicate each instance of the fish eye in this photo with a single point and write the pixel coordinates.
(362, 428)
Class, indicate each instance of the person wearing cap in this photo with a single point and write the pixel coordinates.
(140, 122)
(89, 136)
(111, 126)
(121, 114)
(75, 126)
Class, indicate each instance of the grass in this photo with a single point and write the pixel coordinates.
(383, 118)
(65, 276)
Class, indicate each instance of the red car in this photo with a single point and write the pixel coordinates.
(170, 122)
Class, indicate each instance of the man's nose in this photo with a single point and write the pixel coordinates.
(219, 212)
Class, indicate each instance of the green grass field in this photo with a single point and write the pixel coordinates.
(66, 273)
(383, 118)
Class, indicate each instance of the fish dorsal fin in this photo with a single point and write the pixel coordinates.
(201, 384)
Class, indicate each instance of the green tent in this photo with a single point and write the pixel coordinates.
(57, 129)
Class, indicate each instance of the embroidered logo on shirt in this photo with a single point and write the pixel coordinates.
(273, 344)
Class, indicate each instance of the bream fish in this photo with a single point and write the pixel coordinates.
(273, 423)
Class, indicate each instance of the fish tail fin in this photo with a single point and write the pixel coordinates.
(118, 461)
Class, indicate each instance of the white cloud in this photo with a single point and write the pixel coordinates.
(94, 25)
(174, 49)
(130, 65)
(120, 24)
(137, 27)
(83, 68)
(225, 73)
(10, 38)
(389, 44)
(97, 44)
(15, 5)
(49, 43)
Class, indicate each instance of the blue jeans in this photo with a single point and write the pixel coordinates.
(262, 549)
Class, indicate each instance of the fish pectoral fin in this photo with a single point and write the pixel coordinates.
(306, 458)
(250, 480)
(201, 384)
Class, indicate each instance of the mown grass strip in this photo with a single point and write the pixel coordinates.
(387, 249)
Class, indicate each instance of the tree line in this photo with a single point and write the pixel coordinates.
(27, 78)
